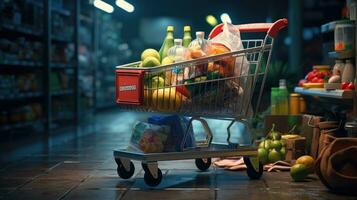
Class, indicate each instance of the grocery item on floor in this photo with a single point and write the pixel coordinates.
(178, 126)
(336, 165)
(148, 138)
(237, 164)
(168, 42)
(295, 147)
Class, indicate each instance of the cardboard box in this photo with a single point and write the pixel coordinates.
(295, 148)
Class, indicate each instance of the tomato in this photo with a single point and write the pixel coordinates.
(351, 86)
(345, 85)
(310, 76)
(317, 80)
(301, 82)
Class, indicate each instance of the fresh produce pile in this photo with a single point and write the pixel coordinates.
(168, 89)
(315, 79)
(303, 166)
(272, 149)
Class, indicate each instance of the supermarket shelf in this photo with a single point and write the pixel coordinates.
(59, 10)
(62, 66)
(19, 125)
(341, 54)
(61, 39)
(22, 30)
(20, 63)
(329, 27)
(336, 94)
(24, 95)
(61, 92)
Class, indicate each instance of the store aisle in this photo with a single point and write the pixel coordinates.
(82, 167)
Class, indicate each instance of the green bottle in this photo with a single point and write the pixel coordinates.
(283, 98)
(186, 36)
(168, 42)
(274, 100)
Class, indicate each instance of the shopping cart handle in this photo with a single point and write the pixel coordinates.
(271, 29)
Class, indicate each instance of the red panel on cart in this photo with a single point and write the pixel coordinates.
(129, 87)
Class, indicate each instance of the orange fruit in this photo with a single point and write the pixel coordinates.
(308, 161)
(298, 172)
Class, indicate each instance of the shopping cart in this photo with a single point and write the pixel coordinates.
(221, 94)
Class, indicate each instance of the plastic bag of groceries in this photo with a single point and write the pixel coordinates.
(148, 138)
(178, 126)
(226, 41)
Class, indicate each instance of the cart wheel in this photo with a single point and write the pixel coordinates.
(122, 171)
(203, 163)
(254, 169)
(150, 180)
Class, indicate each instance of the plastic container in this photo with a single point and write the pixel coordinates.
(294, 104)
(344, 37)
(338, 67)
(177, 53)
(198, 48)
(348, 72)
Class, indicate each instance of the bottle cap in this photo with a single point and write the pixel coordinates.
(178, 41)
(200, 34)
(282, 83)
(186, 28)
(170, 28)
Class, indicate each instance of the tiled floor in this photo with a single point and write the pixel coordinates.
(83, 168)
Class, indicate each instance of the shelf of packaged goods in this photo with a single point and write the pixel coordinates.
(19, 125)
(61, 66)
(56, 9)
(61, 39)
(62, 92)
(20, 63)
(320, 92)
(22, 30)
(341, 54)
(24, 95)
(330, 27)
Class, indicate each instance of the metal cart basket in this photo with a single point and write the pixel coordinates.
(219, 86)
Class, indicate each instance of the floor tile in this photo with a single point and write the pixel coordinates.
(167, 194)
(94, 195)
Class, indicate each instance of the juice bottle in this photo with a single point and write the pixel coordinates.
(283, 98)
(274, 100)
(168, 42)
(186, 36)
(177, 53)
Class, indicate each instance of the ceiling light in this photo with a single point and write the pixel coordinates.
(103, 6)
(125, 5)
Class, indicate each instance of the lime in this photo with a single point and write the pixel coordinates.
(276, 144)
(157, 82)
(150, 62)
(263, 155)
(267, 144)
(150, 53)
(308, 161)
(299, 172)
(283, 152)
(275, 135)
(274, 156)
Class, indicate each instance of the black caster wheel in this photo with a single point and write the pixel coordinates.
(150, 180)
(122, 171)
(254, 169)
(203, 163)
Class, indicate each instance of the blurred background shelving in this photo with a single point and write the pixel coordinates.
(49, 77)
